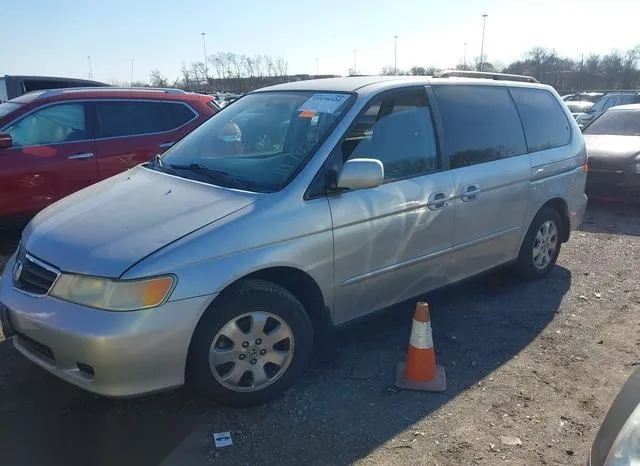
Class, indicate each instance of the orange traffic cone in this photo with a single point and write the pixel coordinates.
(420, 371)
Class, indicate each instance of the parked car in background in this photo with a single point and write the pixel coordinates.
(581, 102)
(613, 147)
(55, 142)
(298, 208)
(15, 86)
(617, 442)
(605, 102)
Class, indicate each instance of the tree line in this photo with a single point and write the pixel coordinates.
(226, 72)
(231, 72)
(615, 70)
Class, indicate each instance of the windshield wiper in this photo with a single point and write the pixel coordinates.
(217, 176)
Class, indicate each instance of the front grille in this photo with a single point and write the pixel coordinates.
(33, 276)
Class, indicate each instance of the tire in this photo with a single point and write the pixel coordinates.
(533, 268)
(258, 338)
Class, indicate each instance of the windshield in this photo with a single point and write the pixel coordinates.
(7, 108)
(617, 122)
(261, 141)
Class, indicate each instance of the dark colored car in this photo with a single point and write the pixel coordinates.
(15, 86)
(613, 148)
(605, 102)
(618, 440)
(56, 142)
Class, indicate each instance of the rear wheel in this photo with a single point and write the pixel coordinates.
(541, 246)
(251, 345)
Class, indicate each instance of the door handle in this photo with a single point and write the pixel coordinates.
(437, 201)
(166, 145)
(83, 155)
(470, 193)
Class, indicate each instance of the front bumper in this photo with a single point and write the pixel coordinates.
(109, 353)
(613, 184)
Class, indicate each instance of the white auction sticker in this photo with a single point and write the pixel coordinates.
(222, 439)
(323, 103)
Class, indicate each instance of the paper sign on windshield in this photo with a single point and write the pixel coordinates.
(323, 103)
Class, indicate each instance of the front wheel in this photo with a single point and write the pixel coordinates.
(541, 246)
(251, 345)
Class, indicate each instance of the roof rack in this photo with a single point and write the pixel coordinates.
(485, 75)
(52, 92)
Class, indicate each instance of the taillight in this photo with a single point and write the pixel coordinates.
(585, 165)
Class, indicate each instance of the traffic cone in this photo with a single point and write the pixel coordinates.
(420, 371)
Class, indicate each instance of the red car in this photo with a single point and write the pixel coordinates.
(55, 142)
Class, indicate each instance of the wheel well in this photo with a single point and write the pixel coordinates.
(560, 206)
(304, 288)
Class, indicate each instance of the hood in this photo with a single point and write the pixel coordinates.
(612, 146)
(106, 228)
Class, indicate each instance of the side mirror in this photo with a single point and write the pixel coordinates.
(6, 140)
(361, 174)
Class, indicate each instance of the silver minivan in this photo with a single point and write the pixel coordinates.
(296, 209)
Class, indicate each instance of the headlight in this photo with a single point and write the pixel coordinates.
(626, 449)
(113, 295)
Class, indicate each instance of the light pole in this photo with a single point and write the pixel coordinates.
(464, 57)
(317, 67)
(90, 70)
(354, 62)
(204, 48)
(395, 55)
(484, 24)
(131, 82)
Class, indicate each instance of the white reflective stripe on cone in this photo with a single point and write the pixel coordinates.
(421, 335)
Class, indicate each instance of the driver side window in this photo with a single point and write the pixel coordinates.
(396, 129)
(50, 125)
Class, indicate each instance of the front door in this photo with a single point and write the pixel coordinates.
(51, 157)
(491, 169)
(390, 242)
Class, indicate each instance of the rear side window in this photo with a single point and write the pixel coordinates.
(630, 99)
(481, 124)
(131, 117)
(178, 114)
(544, 121)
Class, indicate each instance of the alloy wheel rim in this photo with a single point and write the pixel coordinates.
(545, 245)
(251, 351)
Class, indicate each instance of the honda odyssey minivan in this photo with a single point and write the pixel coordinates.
(298, 208)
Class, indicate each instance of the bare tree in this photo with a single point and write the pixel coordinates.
(269, 65)
(388, 71)
(157, 79)
(281, 66)
(186, 76)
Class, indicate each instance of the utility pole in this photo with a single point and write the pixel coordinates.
(90, 70)
(204, 48)
(395, 55)
(317, 67)
(484, 24)
(131, 84)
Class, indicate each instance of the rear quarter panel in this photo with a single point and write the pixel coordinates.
(559, 173)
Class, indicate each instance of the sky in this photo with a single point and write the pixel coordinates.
(45, 37)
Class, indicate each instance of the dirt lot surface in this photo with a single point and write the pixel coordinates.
(530, 363)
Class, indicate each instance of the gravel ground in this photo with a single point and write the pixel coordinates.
(531, 370)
